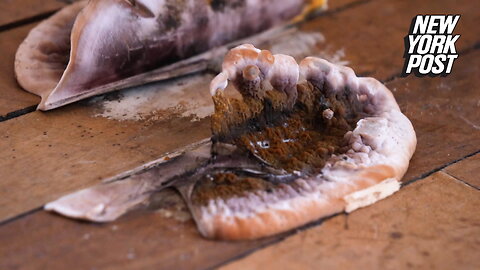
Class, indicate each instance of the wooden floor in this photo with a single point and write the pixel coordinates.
(433, 222)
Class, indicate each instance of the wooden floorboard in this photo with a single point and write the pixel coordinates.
(370, 35)
(12, 96)
(147, 240)
(16, 11)
(445, 114)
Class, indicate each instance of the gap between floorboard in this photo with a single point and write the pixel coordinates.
(460, 180)
(22, 22)
(17, 113)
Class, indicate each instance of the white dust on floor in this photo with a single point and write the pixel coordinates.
(187, 97)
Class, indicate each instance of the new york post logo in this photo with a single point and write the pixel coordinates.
(430, 45)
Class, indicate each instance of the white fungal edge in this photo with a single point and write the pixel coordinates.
(387, 138)
(371, 195)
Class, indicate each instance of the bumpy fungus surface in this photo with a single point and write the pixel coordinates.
(295, 140)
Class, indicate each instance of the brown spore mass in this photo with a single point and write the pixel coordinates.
(294, 139)
(227, 185)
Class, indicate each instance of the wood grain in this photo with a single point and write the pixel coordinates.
(431, 224)
(445, 113)
(467, 170)
(160, 242)
(20, 10)
(371, 36)
(12, 96)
